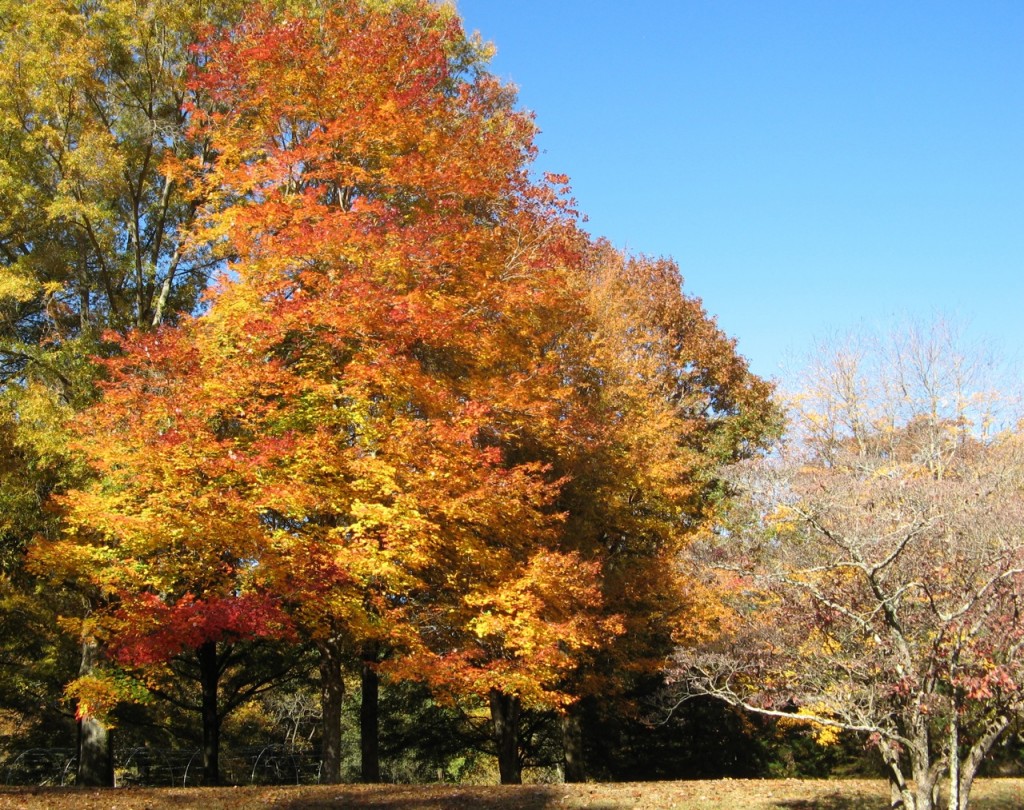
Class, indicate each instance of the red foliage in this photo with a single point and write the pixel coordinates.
(154, 630)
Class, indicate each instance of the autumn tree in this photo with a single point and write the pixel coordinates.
(471, 275)
(167, 533)
(876, 567)
(93, 225)
(671, 402)
(337, 419)
(398, 260)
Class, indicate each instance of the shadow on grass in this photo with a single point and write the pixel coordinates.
(350, 797)
(834, 803)
(416, 798)
(993, 796)
(990, 795)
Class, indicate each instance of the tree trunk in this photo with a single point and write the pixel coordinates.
(899, 791)
(95, 754)
(572, 745)
(369, 720)
(954, 756)
(209, 679)
(969, 768)
(505, 711)
(95, 741)
(332, 696)
(926, 780)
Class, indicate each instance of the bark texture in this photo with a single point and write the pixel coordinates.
(505, 711)
(332, 696)
(369, 722)
(95, 741)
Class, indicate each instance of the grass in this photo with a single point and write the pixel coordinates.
(725, 794)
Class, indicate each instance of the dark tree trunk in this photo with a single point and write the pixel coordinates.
(95, 741)
(505, 711)
(572, 745)
(332, 697)
(95, 754)
(369, 721)
(209, 679)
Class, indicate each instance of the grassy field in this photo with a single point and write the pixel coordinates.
(782, 794)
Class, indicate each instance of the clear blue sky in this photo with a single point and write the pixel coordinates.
(810, 164)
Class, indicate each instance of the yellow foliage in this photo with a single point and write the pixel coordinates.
(823, 734)
(97, 694)
(16, 286)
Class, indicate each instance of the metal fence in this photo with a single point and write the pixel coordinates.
(257, 765)
(42, 767)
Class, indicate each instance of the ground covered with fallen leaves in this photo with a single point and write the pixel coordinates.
(781, 794)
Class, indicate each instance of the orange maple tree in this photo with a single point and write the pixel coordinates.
(168, 533)
(421, 409)
(396, 250)
(412, 278)
(343, 433)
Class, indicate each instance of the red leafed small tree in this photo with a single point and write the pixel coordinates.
(877, 565)
(168, 533)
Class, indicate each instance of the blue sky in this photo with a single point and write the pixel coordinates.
(811, 165)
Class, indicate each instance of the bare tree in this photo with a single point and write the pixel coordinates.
(875, 564)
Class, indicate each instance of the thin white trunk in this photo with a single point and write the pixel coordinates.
(954, 757)
(969, 768)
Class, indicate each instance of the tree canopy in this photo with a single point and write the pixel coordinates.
(876, 563)
(325, 365)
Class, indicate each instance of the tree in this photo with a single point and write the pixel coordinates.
(93, 236)
(876, 571)
(399, 265)
(333, 420)
(167, 532)
(668, 402)
(93, 233)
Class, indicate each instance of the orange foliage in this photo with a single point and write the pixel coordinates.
(421, 408)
